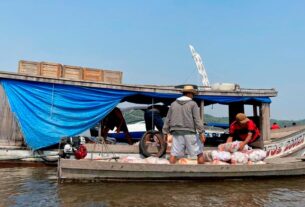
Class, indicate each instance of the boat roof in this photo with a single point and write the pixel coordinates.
(165, 93)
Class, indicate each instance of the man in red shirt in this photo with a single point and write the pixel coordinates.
(243, 129)
(275, 126)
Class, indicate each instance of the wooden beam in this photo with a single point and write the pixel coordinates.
(255, 110)
(140, 88)
(265, 121)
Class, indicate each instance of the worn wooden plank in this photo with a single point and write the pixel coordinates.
(265, 121)
(10, 134)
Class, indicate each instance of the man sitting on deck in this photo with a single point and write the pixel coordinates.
(183, 122)
(245, 130)
(115, 119)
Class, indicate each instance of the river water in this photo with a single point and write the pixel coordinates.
(33, 186)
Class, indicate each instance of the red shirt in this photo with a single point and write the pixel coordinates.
(275, 126)
(241, 132)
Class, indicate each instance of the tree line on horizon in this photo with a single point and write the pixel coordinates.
(134, 116)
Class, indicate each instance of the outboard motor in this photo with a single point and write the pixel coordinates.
(73, 146)
(81, 151)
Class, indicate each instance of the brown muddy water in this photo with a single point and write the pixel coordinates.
(30, 186)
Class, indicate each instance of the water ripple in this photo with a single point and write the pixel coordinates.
(37, 187)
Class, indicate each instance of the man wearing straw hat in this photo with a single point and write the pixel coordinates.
(183, 122)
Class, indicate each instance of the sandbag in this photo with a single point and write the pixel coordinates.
(231, 146)
(257, 155)
(207, 155)
(221, 155)
(239, 158)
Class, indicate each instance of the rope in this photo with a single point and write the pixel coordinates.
(104, 146)
(188, 77)
(52, 101)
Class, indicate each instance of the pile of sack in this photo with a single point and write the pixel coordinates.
(228, 154)
(150, 160)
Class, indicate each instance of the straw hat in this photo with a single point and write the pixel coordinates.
(189, 89)
(242, 118)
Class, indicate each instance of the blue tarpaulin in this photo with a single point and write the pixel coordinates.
(46, 112)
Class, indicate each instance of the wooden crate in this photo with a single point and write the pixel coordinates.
(72, 72)
(111, 76)
(29, 67)
(52, 70)
(91, 74)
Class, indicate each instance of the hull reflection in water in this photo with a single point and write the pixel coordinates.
(39, 187)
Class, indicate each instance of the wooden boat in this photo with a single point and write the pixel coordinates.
(95, 170)
(284, 142)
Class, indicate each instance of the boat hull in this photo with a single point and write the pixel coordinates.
(94, 170)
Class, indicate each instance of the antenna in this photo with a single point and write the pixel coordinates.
(200, 66)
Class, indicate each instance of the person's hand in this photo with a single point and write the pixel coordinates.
(165, 138)
(241, 146)
(230, 139)
(202, 138)
(118, 130)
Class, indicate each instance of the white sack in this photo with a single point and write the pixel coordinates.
(239, 158)
(232, 146)
(221, 155)
(257, 155)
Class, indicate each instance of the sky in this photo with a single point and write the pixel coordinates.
(256, 44)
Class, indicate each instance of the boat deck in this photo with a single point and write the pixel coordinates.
(284, 132)
(276, 136)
